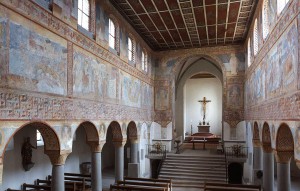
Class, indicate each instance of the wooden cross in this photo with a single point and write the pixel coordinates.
(204, 102)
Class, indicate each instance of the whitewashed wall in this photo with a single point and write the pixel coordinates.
(195, 90)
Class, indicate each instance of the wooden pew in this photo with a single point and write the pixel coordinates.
(140, 183)
(77, 175)
(71, 183)
(152, 180)
(138, 188)
(230, 187)
(37, 187)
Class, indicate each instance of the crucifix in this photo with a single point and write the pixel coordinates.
(204, 102)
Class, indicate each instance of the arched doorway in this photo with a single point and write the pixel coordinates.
(200, 66)
(14, 171)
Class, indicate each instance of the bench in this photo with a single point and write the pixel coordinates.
(140, 183)
(230, 187)
(138, 188)
(37, 187)
(151, 180)
(69, 185)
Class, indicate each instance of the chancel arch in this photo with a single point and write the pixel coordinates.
(212, 73)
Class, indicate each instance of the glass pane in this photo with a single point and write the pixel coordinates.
(129, 44)
(111, 28)
(38, 135)
(86, 7)
(129, 55)
(111, 41)
(79, 17)
(80, 4)
(85, 22)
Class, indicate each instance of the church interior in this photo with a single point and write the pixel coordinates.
(93, 92)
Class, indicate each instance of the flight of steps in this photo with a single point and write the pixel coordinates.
(193, 171)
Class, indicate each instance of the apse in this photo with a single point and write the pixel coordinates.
(196, 88)
(200, 77)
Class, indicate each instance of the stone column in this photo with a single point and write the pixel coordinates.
(58, 160)
(268, 168)
(119, 160)
(257, 155)
(134, 150)
(283, 170)
(96, 149)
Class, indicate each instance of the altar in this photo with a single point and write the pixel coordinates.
(203, 128)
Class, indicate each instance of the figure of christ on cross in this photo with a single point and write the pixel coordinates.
(204, 102)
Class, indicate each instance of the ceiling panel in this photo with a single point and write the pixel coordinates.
(176, 24)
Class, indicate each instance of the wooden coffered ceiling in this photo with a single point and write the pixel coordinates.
(178, 24)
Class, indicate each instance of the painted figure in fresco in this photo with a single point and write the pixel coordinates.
(102, 131)
(66, 135)
(297, 138)
(27, 152)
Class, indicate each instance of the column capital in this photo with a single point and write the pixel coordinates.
(283, 156)
(256, 143)
(119, 143)
(134, 140)
(267, 147)
(57, 157)
(96, 146)
(298, 164)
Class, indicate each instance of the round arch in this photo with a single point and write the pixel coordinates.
(132, 131)
(256, 131)
(284, 139)
(50, 137)
(92, 133)
(116, 130)
(266, 138)
(185, 69)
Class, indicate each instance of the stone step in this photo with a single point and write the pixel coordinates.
(183, 170)
(194, 161)
(189, 174)
(194, 165)
(190, 178)
(195, 156)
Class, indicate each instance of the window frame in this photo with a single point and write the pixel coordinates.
(265, 19)
(144, 61)
(255, 38)
(130, 51)
(249, 52)
(83, 13)
(110, 35)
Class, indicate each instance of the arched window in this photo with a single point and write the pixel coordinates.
(84, 14)
(112, 34)
(130, 50)
(265, 17)
(255, 38)
(280, 5)
(144, 62)
(249, 52)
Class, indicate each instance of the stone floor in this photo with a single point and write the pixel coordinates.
(108, 174)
